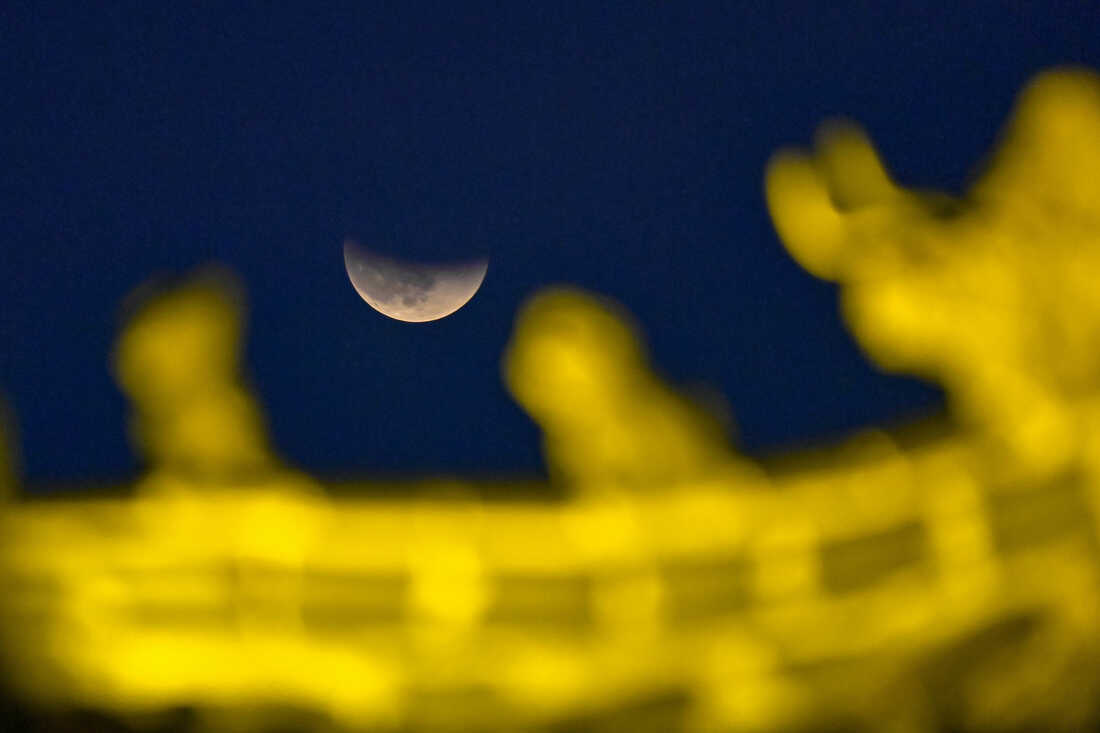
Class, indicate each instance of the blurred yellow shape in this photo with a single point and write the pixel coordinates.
(178, 359)
(608, 423)
(993, 294)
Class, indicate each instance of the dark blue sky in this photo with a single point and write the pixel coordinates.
(616, 147)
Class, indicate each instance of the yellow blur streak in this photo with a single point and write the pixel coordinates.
(887, 583)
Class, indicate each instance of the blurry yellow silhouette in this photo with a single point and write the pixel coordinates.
(889, 583)
(608, 423)
(178, 360)
(992, 294)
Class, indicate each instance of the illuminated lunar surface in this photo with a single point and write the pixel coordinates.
(409, 291)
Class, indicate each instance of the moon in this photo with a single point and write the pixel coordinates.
(408, 291)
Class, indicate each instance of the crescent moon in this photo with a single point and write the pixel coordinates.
(408, 291)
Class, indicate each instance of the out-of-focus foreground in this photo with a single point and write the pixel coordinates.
(886, 583)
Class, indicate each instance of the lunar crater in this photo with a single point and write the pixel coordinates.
(408, 291)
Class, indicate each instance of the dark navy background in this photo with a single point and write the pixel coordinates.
(617, 147)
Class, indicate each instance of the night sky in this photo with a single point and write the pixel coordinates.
(620, 148)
